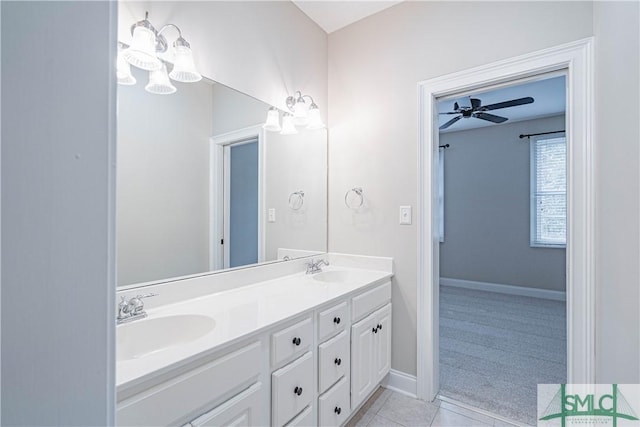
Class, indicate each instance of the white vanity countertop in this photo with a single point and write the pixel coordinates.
(239, 313)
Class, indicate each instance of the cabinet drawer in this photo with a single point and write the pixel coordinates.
(333, 360)
(169, 402)
(243, 410)
(332, 321)
(291, 389)
(293, 340)
(304, 419)
(333, 406)
(367, 302)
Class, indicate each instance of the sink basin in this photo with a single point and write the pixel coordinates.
(336, 276)
(147, 336)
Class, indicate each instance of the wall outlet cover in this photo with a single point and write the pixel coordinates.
(405, 215)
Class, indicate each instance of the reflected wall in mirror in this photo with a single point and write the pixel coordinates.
(201, 187)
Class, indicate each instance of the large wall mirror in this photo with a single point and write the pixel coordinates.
(201, 187)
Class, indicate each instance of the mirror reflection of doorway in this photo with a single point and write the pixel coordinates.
(241, 185)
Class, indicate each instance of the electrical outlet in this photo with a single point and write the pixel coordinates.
(405, 215)
(272, 215)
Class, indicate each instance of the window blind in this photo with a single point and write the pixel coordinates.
(549, 192)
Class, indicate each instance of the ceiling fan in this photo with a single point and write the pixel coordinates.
(472, 107)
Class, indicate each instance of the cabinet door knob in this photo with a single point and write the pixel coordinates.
(297, 341)
(337, 410)
(379, 326)
(338, 361)
(297, 390)
(374, 330)
(336, 320)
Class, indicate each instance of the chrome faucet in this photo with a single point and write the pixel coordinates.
(132, 309)
(314, 267)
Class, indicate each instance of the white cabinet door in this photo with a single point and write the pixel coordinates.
(383, 342)
(362, 359)
(291, 389)
(333, 406)
(243, 410)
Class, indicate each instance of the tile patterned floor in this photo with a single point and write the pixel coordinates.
(388, 408)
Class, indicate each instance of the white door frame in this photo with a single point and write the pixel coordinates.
(576, 59)
(218, 214)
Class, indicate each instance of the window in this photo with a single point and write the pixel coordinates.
(549, 191)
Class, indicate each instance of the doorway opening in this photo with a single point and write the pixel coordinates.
(576, 61)
(502, 223)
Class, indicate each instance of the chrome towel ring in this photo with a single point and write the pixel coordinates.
(296, 200)
(353, 198)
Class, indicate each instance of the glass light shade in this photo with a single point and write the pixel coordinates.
(184, 70)
(159, 82)
(142, 52)
(288, 128)
(123, 71)
(300, 117)
(315, 121)
(273, 121)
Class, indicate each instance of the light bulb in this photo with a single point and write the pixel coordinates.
(142, 52)
(288, 128)
(300, 117)
(184, 69)
(273, 120)
(159, 82)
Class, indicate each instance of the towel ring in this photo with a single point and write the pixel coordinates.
(354, 201)
(296, 200)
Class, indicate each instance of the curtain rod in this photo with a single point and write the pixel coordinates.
(541, 133)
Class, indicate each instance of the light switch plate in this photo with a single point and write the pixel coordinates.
(272, 215)
(405, 215)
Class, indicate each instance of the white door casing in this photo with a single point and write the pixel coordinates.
(576, 59)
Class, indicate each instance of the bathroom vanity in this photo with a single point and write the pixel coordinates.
(299, 349)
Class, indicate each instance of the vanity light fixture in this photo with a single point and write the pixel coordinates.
(143, 52)
(302, 114)
(123, 71)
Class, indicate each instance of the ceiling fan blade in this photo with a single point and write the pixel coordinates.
(490, 117)
(505, 104)
(450, 122)
(450, 112)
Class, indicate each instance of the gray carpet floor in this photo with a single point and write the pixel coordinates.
(496, 348)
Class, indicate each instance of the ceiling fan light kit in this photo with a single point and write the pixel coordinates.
(468, 107)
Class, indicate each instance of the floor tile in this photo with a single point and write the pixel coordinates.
(371, 407)
(446, 418)
(408, 411)
(467, 412)
(379, 421)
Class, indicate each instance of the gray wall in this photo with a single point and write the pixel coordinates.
(373, 69)
(58, 142)
(487, 209)
(163, 181)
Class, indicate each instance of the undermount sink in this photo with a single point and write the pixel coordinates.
(147, 336)
(336, 276)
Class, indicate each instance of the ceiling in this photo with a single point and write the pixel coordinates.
(549, 99)
(331, 15)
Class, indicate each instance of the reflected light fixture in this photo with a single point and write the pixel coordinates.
(123, 71)
(143, 52)
(302, 114)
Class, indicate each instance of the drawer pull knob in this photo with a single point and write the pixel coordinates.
(374, 330)
(336, 320)
(337, 410)
(297, 341)
(379, 326)
(338, 361)
(297, 390)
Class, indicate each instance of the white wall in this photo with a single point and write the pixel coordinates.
(487, 208)
(374, 67)
(163, 181)
(617, 47)
(267, 49)
(58, 137)
(294, 163)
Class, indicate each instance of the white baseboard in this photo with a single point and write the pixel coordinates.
(505, 289)
(401, 382)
